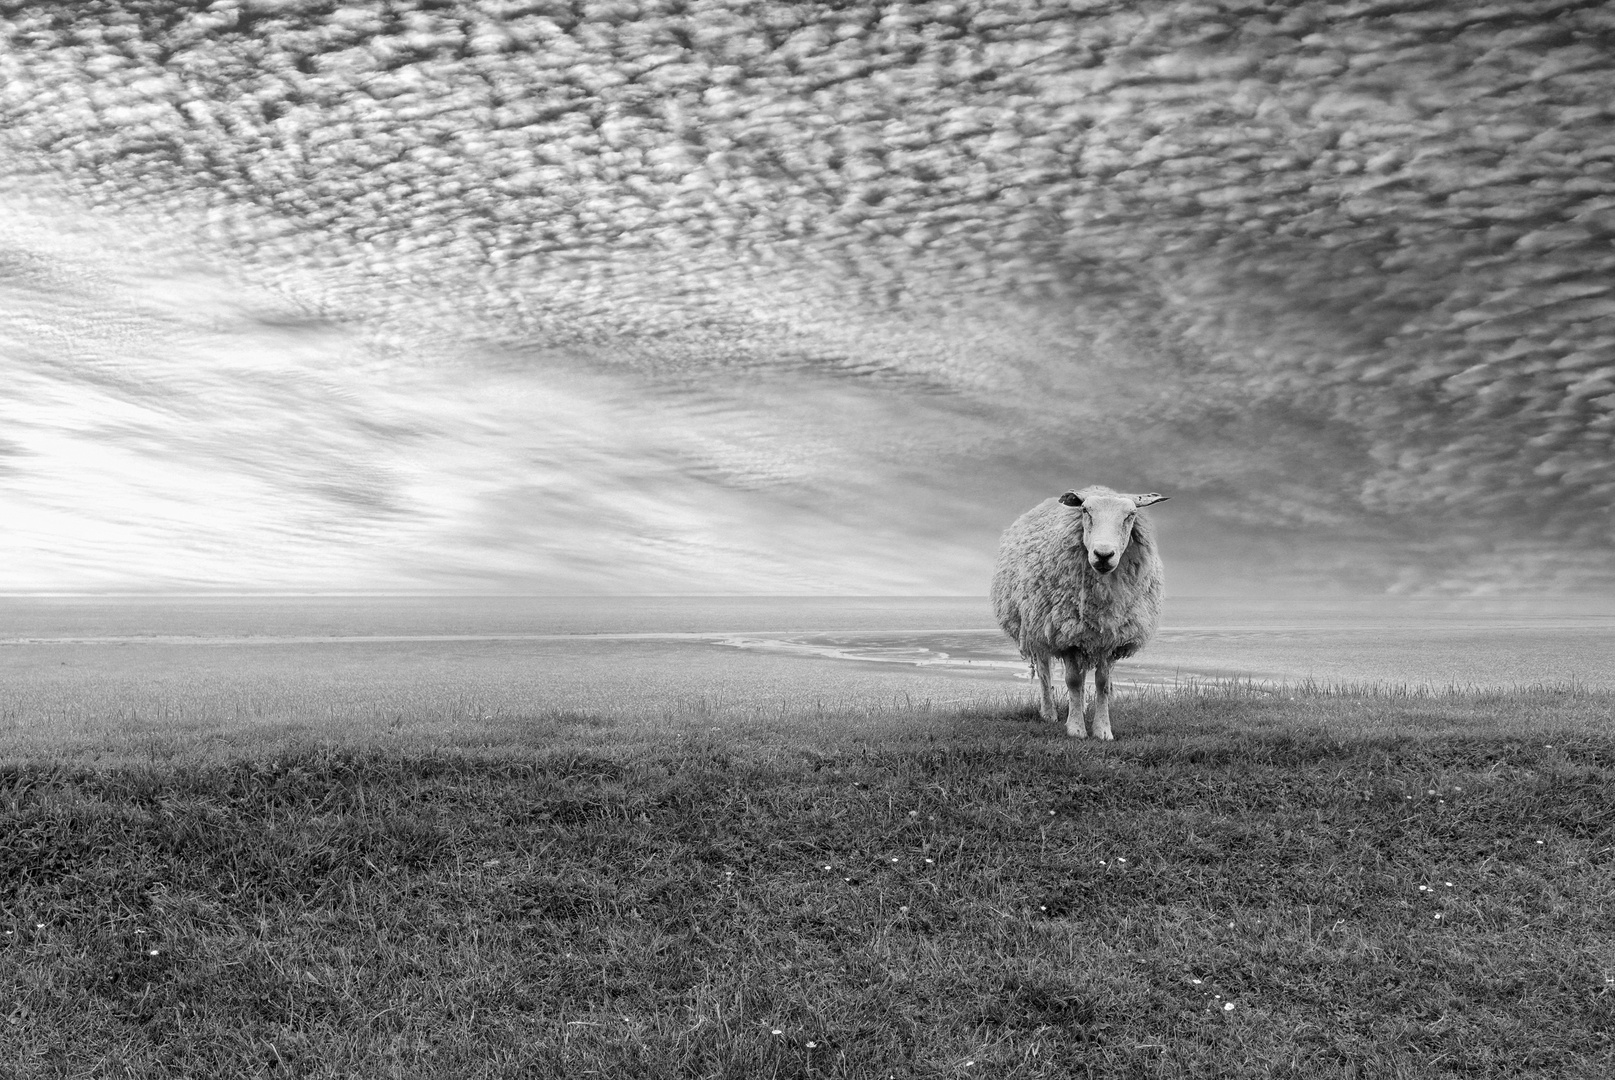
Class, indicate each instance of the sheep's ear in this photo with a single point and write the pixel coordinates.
(1071, 498)
(1145, 500)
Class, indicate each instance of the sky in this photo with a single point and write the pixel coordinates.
(742, 297)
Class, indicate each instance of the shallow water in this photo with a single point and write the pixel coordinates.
(321, 617)
(79, 665)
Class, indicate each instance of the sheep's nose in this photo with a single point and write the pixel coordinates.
(1104, 554)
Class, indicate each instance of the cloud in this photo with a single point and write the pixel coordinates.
(188, 431)
(853, 280)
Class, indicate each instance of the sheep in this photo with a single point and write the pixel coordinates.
(1078, 577)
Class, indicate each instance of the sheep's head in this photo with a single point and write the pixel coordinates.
(1107, 522)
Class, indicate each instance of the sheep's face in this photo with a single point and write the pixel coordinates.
(1107, 523)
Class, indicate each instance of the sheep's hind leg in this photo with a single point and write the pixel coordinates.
(1100, 727)
(1046, 708)
(1076, 673)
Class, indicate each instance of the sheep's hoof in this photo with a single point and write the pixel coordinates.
(1076, 730)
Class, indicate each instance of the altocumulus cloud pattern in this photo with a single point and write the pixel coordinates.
(739, 295)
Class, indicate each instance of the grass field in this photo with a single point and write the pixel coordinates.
(1312, 882)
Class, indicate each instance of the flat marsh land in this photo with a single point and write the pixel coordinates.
(1312, 883)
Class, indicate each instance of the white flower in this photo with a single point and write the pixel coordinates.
(1228, 1006)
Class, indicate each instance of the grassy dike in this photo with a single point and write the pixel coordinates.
(1325, 883)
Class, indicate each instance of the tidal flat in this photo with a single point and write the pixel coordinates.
(115, 674)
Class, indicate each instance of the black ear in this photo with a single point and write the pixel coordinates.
(1071, 498)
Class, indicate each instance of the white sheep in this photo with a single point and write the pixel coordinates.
(1078, 577)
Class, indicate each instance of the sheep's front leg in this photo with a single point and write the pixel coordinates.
(1076, 673)
(1046, 707)
(1100, 727)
